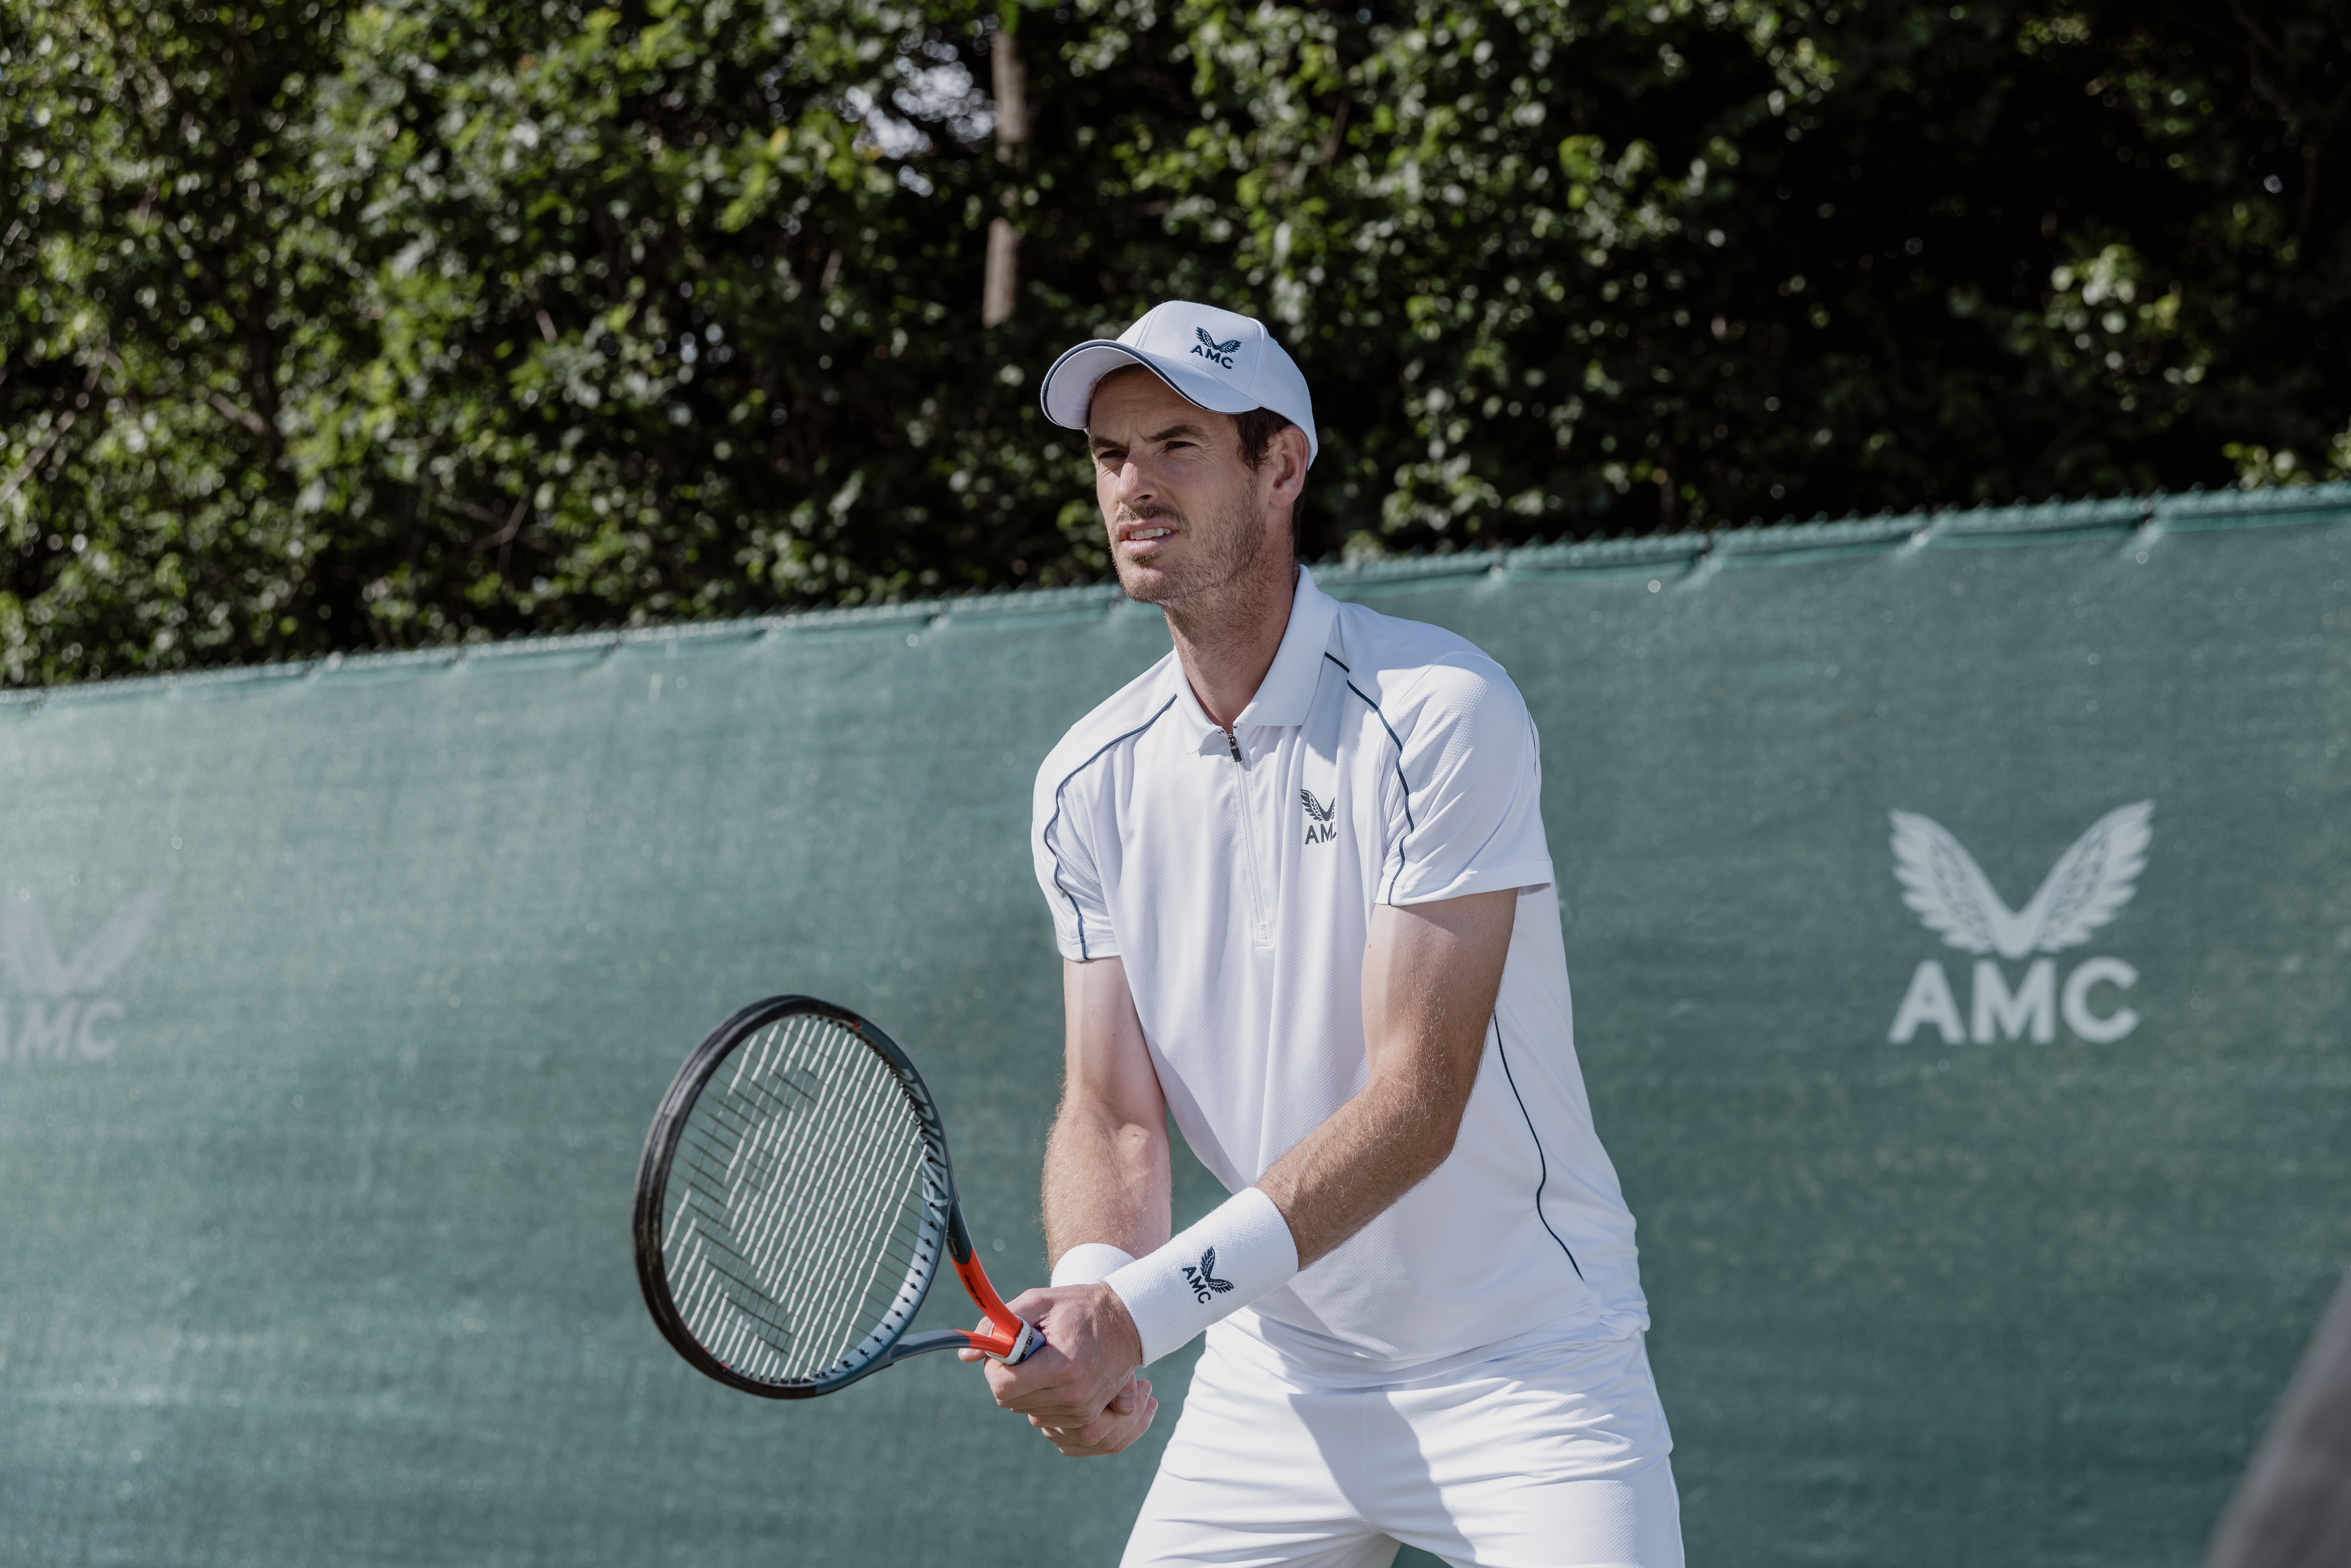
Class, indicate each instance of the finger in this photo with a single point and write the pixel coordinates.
(1061, 1414)
(1109, 1436)
(1112, 1430)
(1072, 1446)
(1058, 1404)
(1019, 1387)
(1057, 1409)
(1069, 1440)
(1037, 1391)
(1028, 1305)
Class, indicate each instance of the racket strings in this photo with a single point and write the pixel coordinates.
(771, 1303)
(766, 1148)
(803, 1213)
(854, 1184)
(756, 1245)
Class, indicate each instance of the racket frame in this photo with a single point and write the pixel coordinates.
(1010, 1340)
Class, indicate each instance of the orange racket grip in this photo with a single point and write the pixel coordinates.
(1014, 1340)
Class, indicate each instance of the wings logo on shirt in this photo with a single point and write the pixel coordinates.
(1321, 825)
(1202, 1279)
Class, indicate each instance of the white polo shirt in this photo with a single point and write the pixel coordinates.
(1383, 762)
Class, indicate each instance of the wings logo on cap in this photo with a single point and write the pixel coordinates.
(1215, 353)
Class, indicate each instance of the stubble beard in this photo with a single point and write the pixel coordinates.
(1225, 551)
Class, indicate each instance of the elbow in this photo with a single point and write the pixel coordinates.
(1440, 1132)
(1442, 1144)
(1142, 1141)
(1422, 1112)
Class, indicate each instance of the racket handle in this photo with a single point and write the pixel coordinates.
(1024, 1344)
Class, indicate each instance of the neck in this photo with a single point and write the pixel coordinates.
(1226, 643)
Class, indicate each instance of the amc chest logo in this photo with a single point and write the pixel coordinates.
(64, 1013)
(1322, 821)
(1951, 895)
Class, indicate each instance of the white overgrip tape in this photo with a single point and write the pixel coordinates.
(1090, 1264)
(1240, 1252)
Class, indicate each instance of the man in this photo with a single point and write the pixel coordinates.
(1302, 892)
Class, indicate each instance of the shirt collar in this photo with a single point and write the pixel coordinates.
(1286, 692)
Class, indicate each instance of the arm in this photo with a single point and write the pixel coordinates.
(1106, 1173)
(1430, 974)
(1106, 1180)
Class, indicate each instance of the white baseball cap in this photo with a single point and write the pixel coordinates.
(1224, 362)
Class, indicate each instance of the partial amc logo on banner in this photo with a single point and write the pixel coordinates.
(1951, 895)
(61, 1013)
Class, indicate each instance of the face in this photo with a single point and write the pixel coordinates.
(1186, 515)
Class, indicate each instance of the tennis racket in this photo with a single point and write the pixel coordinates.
(794, 1202)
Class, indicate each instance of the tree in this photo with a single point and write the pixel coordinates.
(338, 325)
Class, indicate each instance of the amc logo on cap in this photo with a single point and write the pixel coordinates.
(1209, 349)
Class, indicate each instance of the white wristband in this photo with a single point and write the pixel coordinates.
(1090, 1264)
(1242, 1250)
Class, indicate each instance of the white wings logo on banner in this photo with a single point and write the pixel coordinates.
(31, 959)
(2090, 883)
(2086, 889)
(57, 1024)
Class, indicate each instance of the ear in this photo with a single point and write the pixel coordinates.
(1284, 472)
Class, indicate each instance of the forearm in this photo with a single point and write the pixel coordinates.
(1106, 1171)
(1106, 1179)
(1430, 974)
(1429, 982)
(1106, 1190)
(1372, 1150)
(1428, 989)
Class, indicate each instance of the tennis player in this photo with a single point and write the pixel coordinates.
(1302, 892)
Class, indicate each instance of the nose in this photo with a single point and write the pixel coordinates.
(1129, 483)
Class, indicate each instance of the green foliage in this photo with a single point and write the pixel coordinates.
(389, 324)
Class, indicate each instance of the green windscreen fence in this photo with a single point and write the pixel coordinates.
(1991, 1173)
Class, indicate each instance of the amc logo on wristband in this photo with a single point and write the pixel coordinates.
(1202, 1279)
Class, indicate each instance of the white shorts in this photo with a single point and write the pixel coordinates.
(1542, 1457)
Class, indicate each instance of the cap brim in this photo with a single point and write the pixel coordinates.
(1068, 392)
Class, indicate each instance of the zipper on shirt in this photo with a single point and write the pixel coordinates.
(1260, 933)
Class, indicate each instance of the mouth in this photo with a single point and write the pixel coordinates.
(1142, 539)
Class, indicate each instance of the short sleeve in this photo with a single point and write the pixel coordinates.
(1066, 869)
(1470, 776)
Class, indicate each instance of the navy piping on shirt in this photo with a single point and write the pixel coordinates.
(1409, 823)
(1048, 834)
(1542, 1159)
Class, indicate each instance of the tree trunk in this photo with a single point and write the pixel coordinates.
(1003, 280)
(1001, 288)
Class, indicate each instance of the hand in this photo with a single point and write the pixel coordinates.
(1079, 1388)
(1127, 1417)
